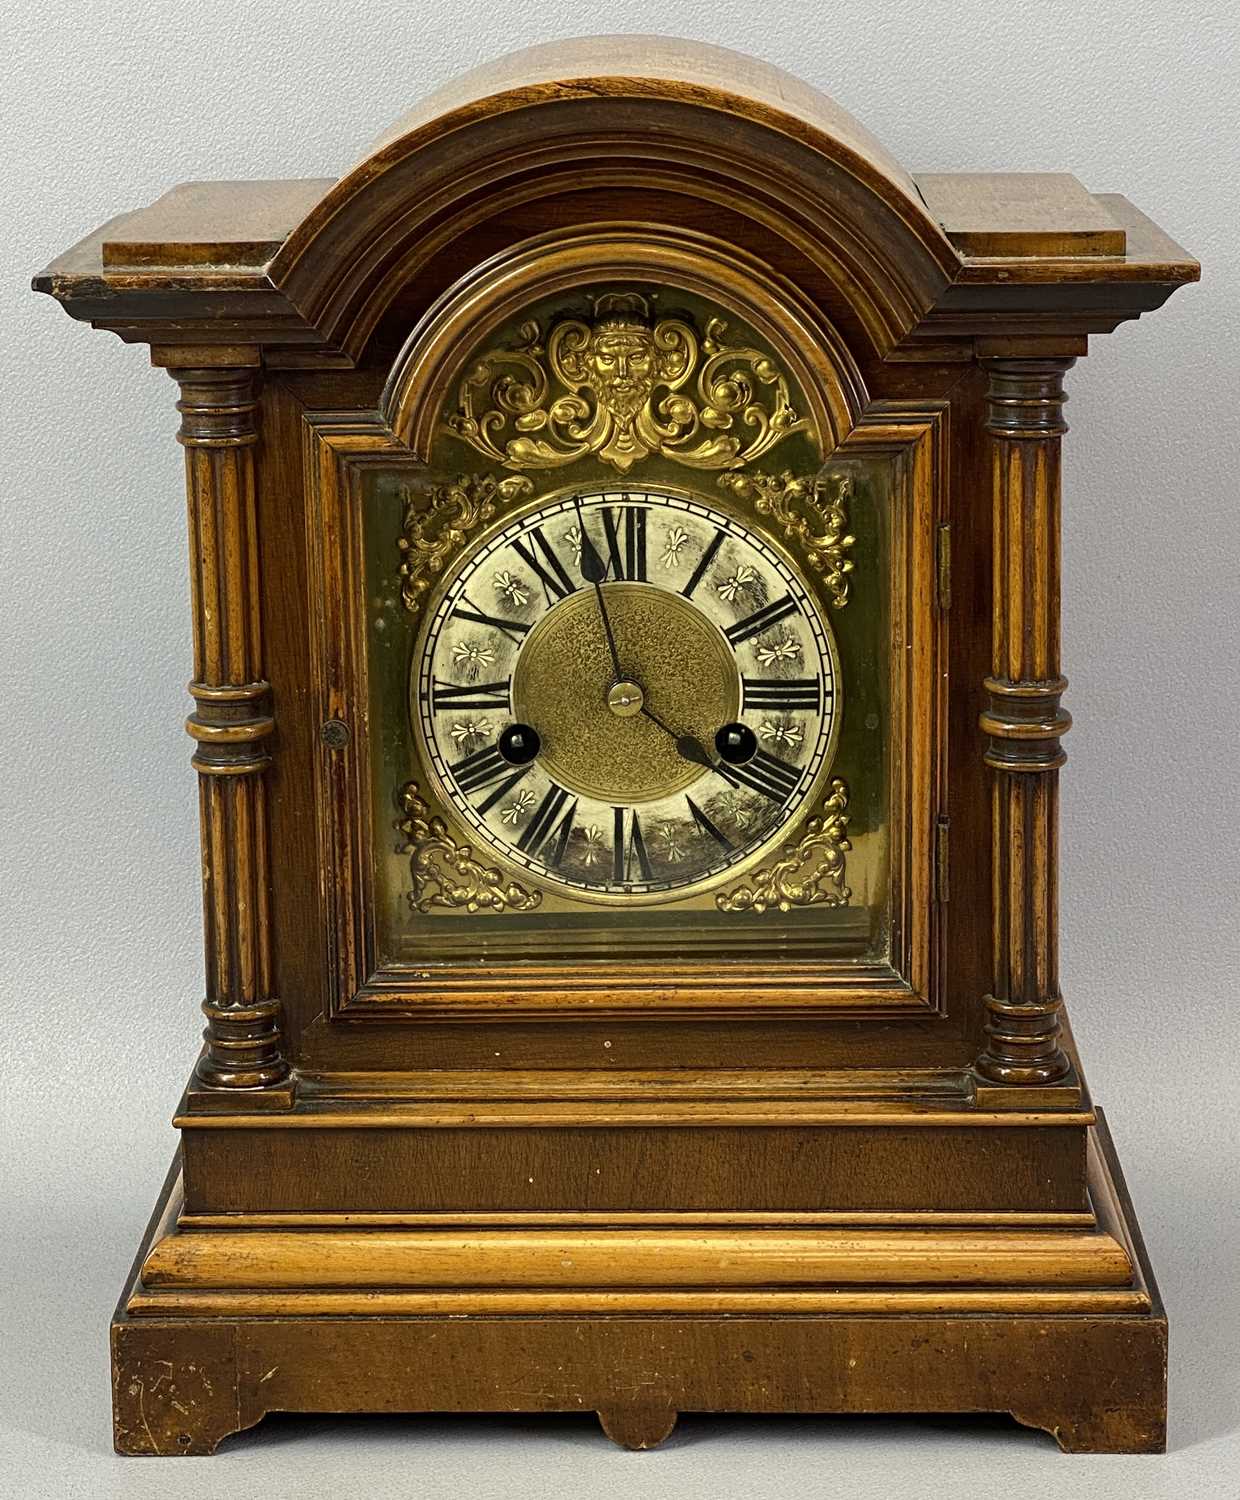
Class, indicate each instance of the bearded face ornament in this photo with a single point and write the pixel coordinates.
(622, 360)
(613, 388)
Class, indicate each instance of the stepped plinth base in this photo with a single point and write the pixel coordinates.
(1058, 1324)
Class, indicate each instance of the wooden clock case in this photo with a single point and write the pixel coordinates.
(705, 1193)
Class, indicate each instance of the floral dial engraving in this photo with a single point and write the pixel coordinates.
(674, 541)
(628, 798)
(511, 586)
(468, 733)
(785, 648)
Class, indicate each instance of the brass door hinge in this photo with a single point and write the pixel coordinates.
(943, 567)
(942, 889)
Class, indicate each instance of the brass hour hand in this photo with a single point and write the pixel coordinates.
(687, 747)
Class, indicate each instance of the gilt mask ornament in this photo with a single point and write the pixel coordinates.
(614, 388)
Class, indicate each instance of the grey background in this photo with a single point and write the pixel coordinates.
(105, 106)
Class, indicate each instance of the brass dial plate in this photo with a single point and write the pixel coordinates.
(712, 623)
(563, 681)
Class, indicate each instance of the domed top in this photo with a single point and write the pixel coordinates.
(637, 66)
(608, 129)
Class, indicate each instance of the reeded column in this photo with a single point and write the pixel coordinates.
(1024, 721)
(230, 725)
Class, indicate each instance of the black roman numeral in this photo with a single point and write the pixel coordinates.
(515, 630)
(624, 850)
(704, 562)
(542, 829)
(555, 581)
(767, 774)
(479, 768)
(484, 767)
(708, 828)
(788, 693)
(555, 857)
(446, 695)
(502, 788)
(627, 561)
(761, 619)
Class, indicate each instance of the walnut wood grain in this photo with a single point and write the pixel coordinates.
(206, 224)
(371, 1258)
(231, 726)
(1024, 721)
(1086, 1364)
(596, 1160)
(662, 130)
(1021, 215)
(1094, 1381)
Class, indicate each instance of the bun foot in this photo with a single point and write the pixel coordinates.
(637, 1427)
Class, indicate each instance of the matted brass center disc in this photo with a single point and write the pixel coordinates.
(564, 680)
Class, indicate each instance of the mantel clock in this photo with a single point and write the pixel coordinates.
(624, 547)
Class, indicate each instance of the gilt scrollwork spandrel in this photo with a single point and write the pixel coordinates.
(812, 512)
(435, 526)
(445, 875)
(807, 872)
(621, 387)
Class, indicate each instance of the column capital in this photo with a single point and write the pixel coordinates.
(1025, 398)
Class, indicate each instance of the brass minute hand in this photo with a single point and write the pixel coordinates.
(594, 570)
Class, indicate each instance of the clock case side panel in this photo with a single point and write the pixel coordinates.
(298, 895)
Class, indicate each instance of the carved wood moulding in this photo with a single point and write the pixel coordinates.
(315, 265)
